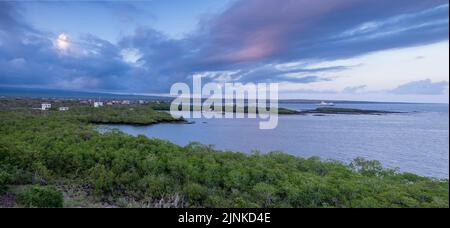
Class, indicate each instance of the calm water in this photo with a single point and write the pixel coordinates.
(416, 142)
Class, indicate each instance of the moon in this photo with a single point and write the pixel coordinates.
(63, 42)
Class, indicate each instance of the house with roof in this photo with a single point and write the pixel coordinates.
(46, 106)
(98, 104)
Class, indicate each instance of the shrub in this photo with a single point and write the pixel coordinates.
(102, 180)
(4, 179)
(366, 167)
(40, 197)
(196, 193)
(10, 175)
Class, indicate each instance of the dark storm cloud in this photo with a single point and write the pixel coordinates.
(250, 37)
(267, 30)
(254, 33)
(29, 58)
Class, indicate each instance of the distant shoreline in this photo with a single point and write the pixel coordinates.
(42, 93)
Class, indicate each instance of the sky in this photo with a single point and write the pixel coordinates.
(371, 50)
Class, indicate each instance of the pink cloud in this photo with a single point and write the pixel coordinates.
(256, 29)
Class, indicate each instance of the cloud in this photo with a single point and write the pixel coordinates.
(125, 11)
(354, 89)
(29, 57)
(254, 35)
(265, 30)
(424, 87)
(253, 39)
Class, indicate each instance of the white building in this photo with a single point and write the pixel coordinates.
(98, 104)
(63, 109)
(46, 106)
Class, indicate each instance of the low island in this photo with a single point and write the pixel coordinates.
(284, 111)
(345, 111)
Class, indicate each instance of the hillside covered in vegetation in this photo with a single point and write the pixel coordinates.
(53, 159)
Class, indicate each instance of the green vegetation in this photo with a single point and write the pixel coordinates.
(285, 111)
(112, 169)
(165, 106)
(135, 115)
(4, 179)
(129, 114)
(161, 106)
(41, 197)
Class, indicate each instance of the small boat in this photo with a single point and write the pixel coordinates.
(325, 104)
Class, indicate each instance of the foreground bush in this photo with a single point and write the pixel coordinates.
(4, 179)
(40, 197)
